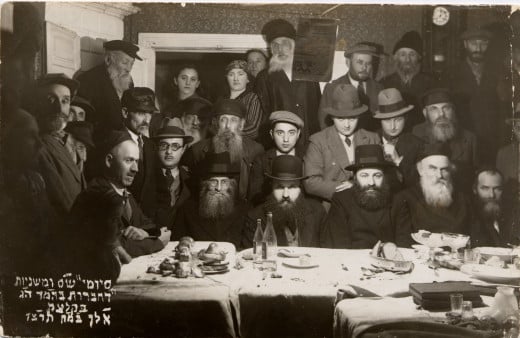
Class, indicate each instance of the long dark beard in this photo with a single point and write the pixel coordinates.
(276, 64)
(288, 214)
(230, 142)
(215, 205)
(372, 200)
(443, 129)
(120, 81)
(437, 194)
(490, 208)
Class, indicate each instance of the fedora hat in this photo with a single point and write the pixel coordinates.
(58, 78)
(81, 131)
(391, 104)
(369, 156)
(344, 101)
(362, 48)
(286, 168)
(84, 104)
(139, 99)
(170, 130)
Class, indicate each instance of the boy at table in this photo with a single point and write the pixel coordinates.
(360, 216)
(296, 218)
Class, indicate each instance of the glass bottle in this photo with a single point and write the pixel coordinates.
(269, 243)
(257, 239)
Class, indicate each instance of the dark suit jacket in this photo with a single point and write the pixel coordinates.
(366, 121)
(308, 232)
(96, 86)
(276, 92)
(350, 226)
(138, 220)
(143, 188)
(164, 214)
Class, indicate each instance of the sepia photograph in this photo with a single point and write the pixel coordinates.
(255, 170)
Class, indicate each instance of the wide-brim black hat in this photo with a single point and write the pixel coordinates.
(369, 156)
(218, 164)
(81, 131)
(286, 168)
(434, 149)
(278, 28)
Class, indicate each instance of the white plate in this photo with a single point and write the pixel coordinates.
(297, 265)
(491, 274)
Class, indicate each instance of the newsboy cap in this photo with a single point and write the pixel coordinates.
(124, 46)
(362, 48)
(140, 99)
(114, 138)
(285, 116)
(230, 107)
(436, 95)
(278, 28)
(58, 78)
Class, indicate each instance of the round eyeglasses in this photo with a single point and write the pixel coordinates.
(163, 146)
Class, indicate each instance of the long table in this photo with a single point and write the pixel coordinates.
(242, 303)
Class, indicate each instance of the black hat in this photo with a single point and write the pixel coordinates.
(436, 148)
(218, 164)
(170, 130)
(278, 28)
(410, 40)
(58, 78)
(369, 156)
(230, 107)
(476, 33)
(114, 138)
(286, 168)
(83, 103)
(81, 131)
(195, 106)
(436, 95)
(139, 99)
(128, 48)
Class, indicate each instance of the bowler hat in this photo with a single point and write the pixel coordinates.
(114, 138)
(476, 33)
(170, 130)
(140, 99)
(218, 164)
(369, 156)
(230, 107)
(84, 104)
(391, 104)
(195, 106)
(362, 48)
(285, 116)
(433, 149)
(126, 47)
(436, 95)
(344, 101)
(286, 168)
(411, 40)
(58, 78)
(81, 131)
(278, 28)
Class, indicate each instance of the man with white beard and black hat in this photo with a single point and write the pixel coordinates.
(434, 204)
(296, 218)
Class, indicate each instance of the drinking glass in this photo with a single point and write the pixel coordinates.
(456, 302)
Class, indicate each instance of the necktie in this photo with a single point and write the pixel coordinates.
(361, 92)
(348, 141)
(127, 209)
(140, 143)
(173, 185)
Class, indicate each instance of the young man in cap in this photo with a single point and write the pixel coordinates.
(105, 84)
(275, 86)
(62, 176)
(473, 84)
(359, 61)
(442, 125)
(242, 150)
(401, 148)
(285, 132)
(296, 218)
(434, 204)
(79, 138)
(80, 108)
(138, 105)
(214, 212)
(360, 216)
(493, 222)
(171, 189)
(138, 234)
(408, 78)
(331, 150)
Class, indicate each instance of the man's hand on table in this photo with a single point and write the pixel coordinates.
(134, 233)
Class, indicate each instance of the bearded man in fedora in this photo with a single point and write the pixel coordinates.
(331, 150)
(360, 216)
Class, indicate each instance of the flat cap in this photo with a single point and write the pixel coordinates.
(362, 48)
(230, 107)
(114, 138)
(278, 28)
(58, 78)
(285, 116)
(436, 95)
(476, 33)
(124, 46)
(140, 99)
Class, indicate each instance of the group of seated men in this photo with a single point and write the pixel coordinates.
(344, 187)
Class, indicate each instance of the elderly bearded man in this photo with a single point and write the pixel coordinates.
(434, 204)
(275, 86)
(296, 218)
(216, 213)
(360, 216)
(242, 151)
(493, 222)
(105, 84)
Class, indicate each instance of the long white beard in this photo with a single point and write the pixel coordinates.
(121, 82)
(437, 194)
(275, 64)
(216, 205)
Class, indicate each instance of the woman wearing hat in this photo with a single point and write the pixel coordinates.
(238, 78)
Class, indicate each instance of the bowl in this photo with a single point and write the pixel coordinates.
(430, 239)
(505, 254)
